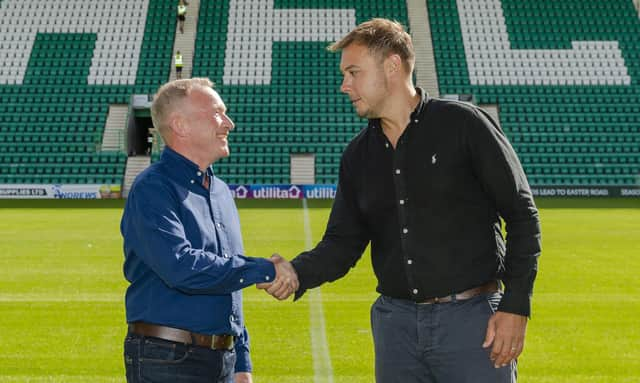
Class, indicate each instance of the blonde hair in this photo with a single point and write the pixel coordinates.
(382, 37)
(170, 97)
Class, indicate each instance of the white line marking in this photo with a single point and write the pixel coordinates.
(322, 370)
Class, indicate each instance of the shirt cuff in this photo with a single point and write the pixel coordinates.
(261, 271)
(516, 303)
(299, 271)
(299, 294)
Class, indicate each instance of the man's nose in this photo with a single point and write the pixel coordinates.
(345, 86)
(229, 122)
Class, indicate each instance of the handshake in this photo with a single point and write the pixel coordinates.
(286, 281)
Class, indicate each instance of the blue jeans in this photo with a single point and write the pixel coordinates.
(435, 343)
(153, 360)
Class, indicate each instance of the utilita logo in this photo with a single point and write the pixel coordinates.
(320, 193)
(274, 192)
(240, 192)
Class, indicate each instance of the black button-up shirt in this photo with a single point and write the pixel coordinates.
(431, 209)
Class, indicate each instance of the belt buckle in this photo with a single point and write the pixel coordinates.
(222, 342)
(429, 301)
(437, 300)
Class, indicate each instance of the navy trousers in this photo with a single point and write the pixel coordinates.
(153, 360)
(435, 343)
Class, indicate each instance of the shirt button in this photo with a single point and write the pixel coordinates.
(232, 318)
(218, 224)
(241, 280)
(267, 278)
(192, 181)
(410, 261)
(397, 171)
(405, 230)
(199, 173)
(401, 202)
(386, 144)
(415, 291)
(416, 121)
(226, 255)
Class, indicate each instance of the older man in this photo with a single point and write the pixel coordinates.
(183, 251)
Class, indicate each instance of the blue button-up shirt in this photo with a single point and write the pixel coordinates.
(183, 253)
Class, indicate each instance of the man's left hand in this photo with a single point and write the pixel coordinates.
(243, 377)
(506, 332)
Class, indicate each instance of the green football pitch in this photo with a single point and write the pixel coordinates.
(62, 317)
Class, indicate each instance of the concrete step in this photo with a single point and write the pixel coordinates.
(185, 42)
(425, 68)
(115, 127)
(135, 165)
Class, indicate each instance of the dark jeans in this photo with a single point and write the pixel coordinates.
(435, 343)
(153, 360)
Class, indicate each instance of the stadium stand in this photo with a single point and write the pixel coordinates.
(63, 64)
(281, 86)
(564, 89)
(564, 76)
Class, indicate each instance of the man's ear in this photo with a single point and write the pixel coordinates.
(178, 125)
(393, 64)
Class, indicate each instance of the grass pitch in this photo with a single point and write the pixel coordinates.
(62, 317)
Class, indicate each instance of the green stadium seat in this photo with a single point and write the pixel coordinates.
(577, 135)
(56, 118)
(554, 125)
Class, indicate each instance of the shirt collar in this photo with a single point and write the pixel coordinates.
(184, 170)
(424, 99)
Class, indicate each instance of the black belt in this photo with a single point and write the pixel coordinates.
(216, 342)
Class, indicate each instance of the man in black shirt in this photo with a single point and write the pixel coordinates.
(427, 183)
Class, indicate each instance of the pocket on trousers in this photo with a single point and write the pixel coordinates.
(131, 347)
(163, 352)
(382, 310)
(381, 315)
(380, 307)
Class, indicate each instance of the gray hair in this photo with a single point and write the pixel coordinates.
(170, 97)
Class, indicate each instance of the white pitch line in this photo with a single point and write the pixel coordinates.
(322, 370)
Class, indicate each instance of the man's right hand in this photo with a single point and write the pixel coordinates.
(286, 282)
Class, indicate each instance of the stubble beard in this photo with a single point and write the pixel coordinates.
(373, 111)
